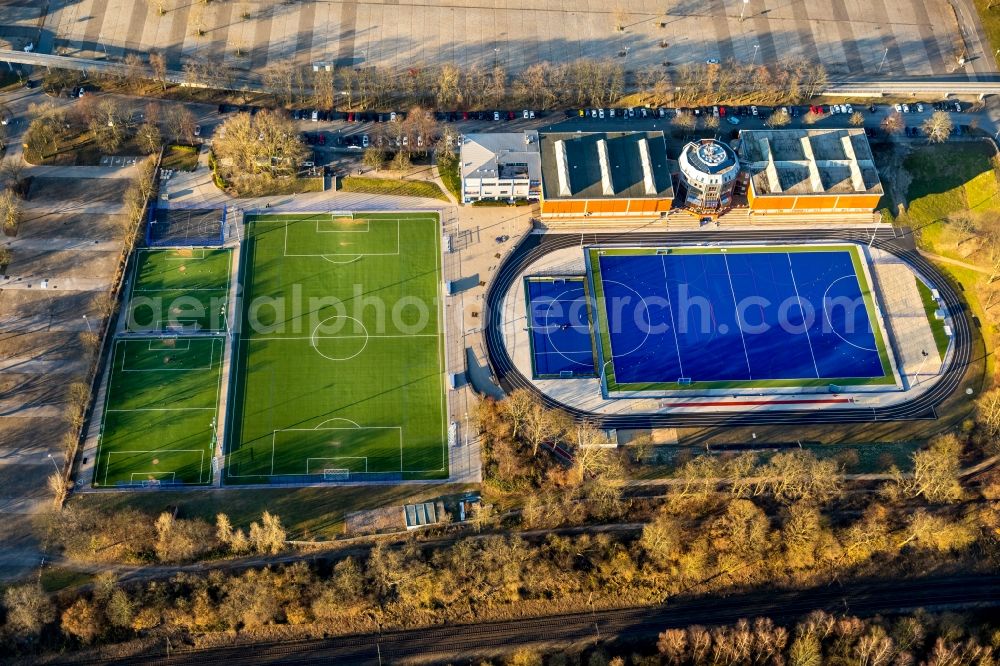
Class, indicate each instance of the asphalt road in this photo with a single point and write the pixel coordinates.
(535, 246)
(442, 643)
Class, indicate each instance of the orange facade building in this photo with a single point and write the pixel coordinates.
(609, 175)
(815, 171)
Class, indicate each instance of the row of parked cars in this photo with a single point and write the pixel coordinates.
(717, 111)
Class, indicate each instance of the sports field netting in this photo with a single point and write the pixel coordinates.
(160, 412)
(176, 227)
(561, 343)
(340, 365)
(182, 290)
(678, 318)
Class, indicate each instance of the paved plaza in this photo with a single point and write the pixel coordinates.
(851, 37)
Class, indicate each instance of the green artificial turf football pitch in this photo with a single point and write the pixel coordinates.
(339, 373)
(182, 290)
(160, 411)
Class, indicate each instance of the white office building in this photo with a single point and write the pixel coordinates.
(501, 166)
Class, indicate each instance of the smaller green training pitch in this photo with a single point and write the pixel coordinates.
(160, 412)
(183, 290)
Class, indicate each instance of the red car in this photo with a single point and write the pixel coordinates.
(350, 117)
(465, 115)
(722, 112)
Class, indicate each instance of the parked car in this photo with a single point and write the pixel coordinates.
(733, 120)
(600, 114)
(364, 141)
(197, 130)
(753, 111)
(920, 107)
(496, 116)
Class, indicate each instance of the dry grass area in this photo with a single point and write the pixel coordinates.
(44, 351)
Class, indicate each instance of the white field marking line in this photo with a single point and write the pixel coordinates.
(546, 327)
(365, 458)
(341, 263)
(562, 353)
(791, 271)
(184, 289)
(341, 337)
(673, 324)
(367, 221)
(442, 327)
(739, 324)
(201, 465)
(326, 255)
(173, 475)
(164, 409)
(274, 445)
(827, 314)
(204, 254)
(337, 418)
(642, 299)
(187, 340)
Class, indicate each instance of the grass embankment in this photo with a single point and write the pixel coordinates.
(180, 158)
(401, 188)
(948, 188)
(937, 325)
(451, 178)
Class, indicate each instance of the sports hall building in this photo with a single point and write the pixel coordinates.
(809, 171)
(610, 175)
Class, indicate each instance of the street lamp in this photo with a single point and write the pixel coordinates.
(744, 9)
(884, 56)
(756, 47)
(89, 328)
(53, 461)
(496, 57)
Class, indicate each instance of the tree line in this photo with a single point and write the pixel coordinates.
(711, 547)
(943, 639)
(542, 85)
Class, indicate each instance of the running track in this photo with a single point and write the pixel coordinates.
(534, 246)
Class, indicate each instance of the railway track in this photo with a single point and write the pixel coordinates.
(443, 643)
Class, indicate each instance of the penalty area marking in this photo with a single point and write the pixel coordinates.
(355, 428)
(201, 464)
(324, 469)
(354, 256)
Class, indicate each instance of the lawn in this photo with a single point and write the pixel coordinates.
(451, 178)
(931, 306)
(315, 513)
(180, 158)
(948, 178)
(404, 188)
(160, 412)
(340, 372)
(176, 290)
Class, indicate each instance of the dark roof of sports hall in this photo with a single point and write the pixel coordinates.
(604, 165)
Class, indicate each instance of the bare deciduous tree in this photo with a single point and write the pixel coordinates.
(938, 127)
(893, 123)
